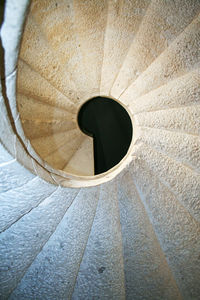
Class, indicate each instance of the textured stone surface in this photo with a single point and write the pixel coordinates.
(177, 231)
(182, 181)
(43, 173)
(162, 23)
(183, 119)
(90, 22)
(7, 135)
(140, 238)
(17, 202)
(182, 91)
(59, 29)
(179, 146)
(31, 108)
(147, 273)
(60, 158)
(123, 21)
(13, 175)
(32, 84)
(22, 242)
(4, 156)
(180, 57)
(46, 145)
(10, 83)
(37, 128)
(82, 161)
(59, 260)
(101, 272)
(45, 61)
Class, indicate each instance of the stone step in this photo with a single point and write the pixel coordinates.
(183, 119)
(180, 180)
(159, 28)
(176, 230)
(31, 108)
(59, 31)
(17, 202)
(183, 148)
(36, 52)
(123, 21)
(58, 27)
(11, 142)
(90, 19)
(11, 32)
(142, 253)
(101, 273)
(21, 243)
(7, 136)
(47, 145)
(36, 128)
(32, 84)
(5, 157)
(82, 161)
(61, 156)
(13, 175)
(180, 57)
(53, 272)
(39, 8)
(182, 91)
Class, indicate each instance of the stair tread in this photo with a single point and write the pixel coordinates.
(17, 202)
(13, 175)
(31, 108)
(179, 58)
(141, 249)
(136, 236)
(36, 128)
(179, 92)
(101, 270)
(32, 84)
(89, 25)
(82, 161)
(182, 181)
(4, 155)
(177, 231)
(28, 236)
(183, 119)
(61, 156)
(123, 21)
(63, 250)
(7, 136)
(46, 145)
(184, 149)
(45, 62)
(159, 27)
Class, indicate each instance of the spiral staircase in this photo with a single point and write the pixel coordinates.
(132, 232)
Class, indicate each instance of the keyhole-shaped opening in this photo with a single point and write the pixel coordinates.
(110, 125)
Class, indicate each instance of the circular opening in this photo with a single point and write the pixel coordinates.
(110, 125)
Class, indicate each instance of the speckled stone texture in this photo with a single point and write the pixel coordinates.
(101, 272)
(59, 260)
(136, 236)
